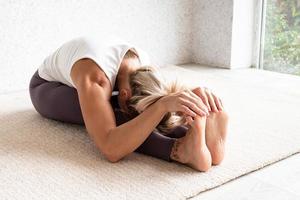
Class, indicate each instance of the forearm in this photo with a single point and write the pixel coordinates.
(125, 138)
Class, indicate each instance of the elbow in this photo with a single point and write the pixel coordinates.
(111, 155)
(112, 158)
(109, 150)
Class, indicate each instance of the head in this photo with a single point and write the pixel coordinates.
(147, 86)
(129, 64)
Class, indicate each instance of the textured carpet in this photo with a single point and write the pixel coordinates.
(45, 159)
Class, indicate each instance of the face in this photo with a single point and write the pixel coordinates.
(126, 68)
(124, 94)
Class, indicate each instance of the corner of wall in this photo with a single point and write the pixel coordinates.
(223, 33)
(242, 34)
(212, 22)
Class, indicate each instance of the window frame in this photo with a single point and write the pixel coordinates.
(259, 28)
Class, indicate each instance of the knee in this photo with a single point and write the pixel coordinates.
(37, 97)
(35, 80)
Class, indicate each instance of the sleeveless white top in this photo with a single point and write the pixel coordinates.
(107, 52)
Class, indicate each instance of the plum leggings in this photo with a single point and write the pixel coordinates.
(57, 101)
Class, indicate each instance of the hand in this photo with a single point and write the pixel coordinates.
(212, 102)
(186, 102)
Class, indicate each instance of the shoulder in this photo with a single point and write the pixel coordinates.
(86, 71)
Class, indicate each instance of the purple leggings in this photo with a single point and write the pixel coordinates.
(60, 102)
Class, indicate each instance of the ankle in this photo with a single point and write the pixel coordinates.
(174, 152)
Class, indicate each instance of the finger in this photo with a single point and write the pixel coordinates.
(189, 120)
(187, 111)
(205, 99)
(192, 106)
(221, 103)
(218, 104)
(201, 96)
(201, 93)
(189, 95)
(211, 102)
(196, 99)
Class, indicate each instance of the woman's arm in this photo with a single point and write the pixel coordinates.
(94, 92)
(115, 142)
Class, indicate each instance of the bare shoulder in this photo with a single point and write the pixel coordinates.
(86, 71)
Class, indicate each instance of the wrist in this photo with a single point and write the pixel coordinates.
(162, 105)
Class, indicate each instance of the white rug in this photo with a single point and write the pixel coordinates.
(45, 159)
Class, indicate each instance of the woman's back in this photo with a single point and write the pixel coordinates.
(107, 53)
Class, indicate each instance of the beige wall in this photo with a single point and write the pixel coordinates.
(30, 30)
(215, 33)
(223, 33)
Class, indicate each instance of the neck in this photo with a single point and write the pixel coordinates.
(127, 66)
(130, 64)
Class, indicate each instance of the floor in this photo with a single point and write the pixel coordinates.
(34, 164)
(279, 181)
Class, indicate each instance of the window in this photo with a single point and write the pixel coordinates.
(281, 36)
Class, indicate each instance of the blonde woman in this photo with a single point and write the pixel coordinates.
(203, 144)
(75, 83)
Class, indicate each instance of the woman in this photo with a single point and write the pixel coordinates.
(75, 83)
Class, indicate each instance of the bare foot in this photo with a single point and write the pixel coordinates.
(191, 149)
(216, 131)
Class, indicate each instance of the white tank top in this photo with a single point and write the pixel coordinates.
(107, 52)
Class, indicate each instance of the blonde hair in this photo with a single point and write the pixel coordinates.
(148, 86)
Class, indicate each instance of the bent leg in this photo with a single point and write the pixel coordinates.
(55, 100)
(60, 102)
(156, 144)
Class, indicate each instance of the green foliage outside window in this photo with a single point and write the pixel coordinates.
(282, 36)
